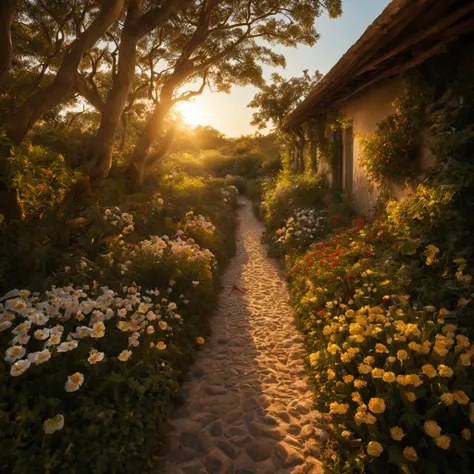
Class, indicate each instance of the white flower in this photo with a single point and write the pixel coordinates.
(14, 352)
(163, 325)
(67, 346)
(21, 339)
(74, 382)
(19, 367)
(195, 283)
(150, 330)
(95, 357)
(41, 334)
(4, 325)
(53, 424)
(124, 355)
(41, 357)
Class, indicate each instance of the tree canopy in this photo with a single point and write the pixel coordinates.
(279, 97)
(113, 70)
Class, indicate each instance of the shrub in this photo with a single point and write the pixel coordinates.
(89, 372)
(390, 154)
(389, 371)
(41, 177)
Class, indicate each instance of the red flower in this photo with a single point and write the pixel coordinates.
(336, 217)
(321, 312)
(348, 277)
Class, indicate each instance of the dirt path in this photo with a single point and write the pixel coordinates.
(247, 406)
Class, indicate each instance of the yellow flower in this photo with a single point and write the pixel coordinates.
(410, 454)
(374, 448)
(348, 378)
(402, 355)
(410, 396)
(432, 429)
(445, 371)
(376, 405)
(364, 369)
(397, 433)
(74, 382)
(331, 374)
(461, 397)
(161, 346)
(338, 408)
(380, 348)
(200, 340)
(356, 397)
(430, 254)
(124, 355)
(346, 434)
(442, 442)
(429, 370)
(53, 424)
(378, 373)
(389, 377)
(466, 434)
(360, 383)
(447, 398)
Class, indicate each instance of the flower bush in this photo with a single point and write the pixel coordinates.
(390, 153)
(40, 176)
(88, 372)
(295, 210)
(396, 376)
(301, 230)
(94, 351)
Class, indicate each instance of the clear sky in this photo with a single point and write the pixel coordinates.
(229, 113)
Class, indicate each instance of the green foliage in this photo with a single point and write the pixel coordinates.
(390, 154)
(277, 99)
(40, 176)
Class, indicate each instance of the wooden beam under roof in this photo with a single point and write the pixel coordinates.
(420, 36)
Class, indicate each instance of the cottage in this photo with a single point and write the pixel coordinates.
(363, 85)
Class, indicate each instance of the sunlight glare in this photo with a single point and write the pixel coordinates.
(190, 112)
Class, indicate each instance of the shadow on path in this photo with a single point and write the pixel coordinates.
(247, 405)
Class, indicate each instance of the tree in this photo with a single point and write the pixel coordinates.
(222, 43)
(7, 9)
(138, 24)
(276, 100)
(62, 85)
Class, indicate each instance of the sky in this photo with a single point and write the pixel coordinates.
(229, 113)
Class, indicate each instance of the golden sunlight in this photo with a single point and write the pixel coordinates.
(191, 113)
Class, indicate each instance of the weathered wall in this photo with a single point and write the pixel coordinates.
(365, 110)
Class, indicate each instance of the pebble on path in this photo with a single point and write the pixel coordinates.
(247, 406)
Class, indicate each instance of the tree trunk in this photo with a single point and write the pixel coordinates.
(99, 159)
(64, 82)
(138, 159)
(7, 10)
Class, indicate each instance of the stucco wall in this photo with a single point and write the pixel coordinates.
(365, 110)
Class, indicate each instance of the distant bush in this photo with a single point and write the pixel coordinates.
(41, 177)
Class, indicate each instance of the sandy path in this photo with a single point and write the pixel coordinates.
(247, 406)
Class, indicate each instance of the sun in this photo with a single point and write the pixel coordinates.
(190, 112)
